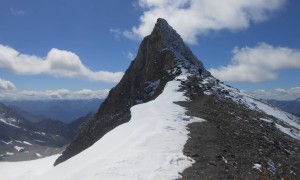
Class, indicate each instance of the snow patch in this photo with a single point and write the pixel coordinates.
(25, 142)
(41, 133)
(9, 153)
(224, 160)
(18, 148)
(7, 143)
(257, 167)
(38, 155)
(39, 141)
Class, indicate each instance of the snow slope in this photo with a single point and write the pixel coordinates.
(149, 146)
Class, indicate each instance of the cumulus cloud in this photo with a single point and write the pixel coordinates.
(279, 93)
(58, 63)
(260, 63)
(6, 85)
(191, 18)
(54, 94)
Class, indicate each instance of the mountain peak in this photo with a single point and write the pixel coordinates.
(165, 32)
(161, 57)
(163, 26)
(166, 39)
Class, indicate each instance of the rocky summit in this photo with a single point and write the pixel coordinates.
(241, 138)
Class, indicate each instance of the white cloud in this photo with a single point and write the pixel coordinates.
(6, 85)
(88, 93)
(258, 64)
(54, 94)
(130, 55)
(191, 18)
(279, 93)
(116, 32)
(17, 12)
(59, 94)
(58, 63)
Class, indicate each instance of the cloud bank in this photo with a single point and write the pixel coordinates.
(260, 63)
(58, 63)
(279, 93)
(6, 85)
(191, 18)
(53, 94)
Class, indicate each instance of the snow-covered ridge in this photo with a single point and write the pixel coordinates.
(289, 123)
(149, 146)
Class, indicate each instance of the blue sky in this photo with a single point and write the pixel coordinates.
(79, 49)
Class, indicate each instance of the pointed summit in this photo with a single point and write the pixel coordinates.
(164, 31)
(162, 24)
(165, 38)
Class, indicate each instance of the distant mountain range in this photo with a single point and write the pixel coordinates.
(291, 106)
(62, 110)
(22, 139)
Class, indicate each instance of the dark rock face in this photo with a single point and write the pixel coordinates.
(160, 58)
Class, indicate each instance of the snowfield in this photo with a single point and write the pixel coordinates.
(149, 146)
(26, 169)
